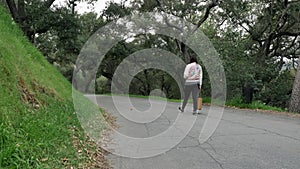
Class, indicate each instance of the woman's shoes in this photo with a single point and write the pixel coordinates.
(196, 112)
(180, 108)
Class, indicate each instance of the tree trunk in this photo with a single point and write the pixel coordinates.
(295, 98)
(248, 91)
(185, 53)
(13, 9)
(20, 16)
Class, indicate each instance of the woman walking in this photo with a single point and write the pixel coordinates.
(193, 81)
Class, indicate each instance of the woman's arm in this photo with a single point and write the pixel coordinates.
(201, 76)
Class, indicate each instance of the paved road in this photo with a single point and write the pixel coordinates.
(243, 140)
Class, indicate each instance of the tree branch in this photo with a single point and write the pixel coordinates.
(166, 19)
(207, 11)
(107, 75)
(289, 34)
(21, 10)
(48, 3)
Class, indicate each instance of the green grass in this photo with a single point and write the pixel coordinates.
(38, 126)
(257, 104)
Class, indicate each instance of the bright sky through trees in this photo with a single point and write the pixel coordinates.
(83, 7)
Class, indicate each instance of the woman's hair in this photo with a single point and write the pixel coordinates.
(193, 58)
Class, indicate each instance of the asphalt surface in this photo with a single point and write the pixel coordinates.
(244, 139)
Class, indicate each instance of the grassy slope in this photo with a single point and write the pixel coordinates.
(38, 126)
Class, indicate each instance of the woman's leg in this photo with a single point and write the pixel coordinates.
(187, 92)
(195, 93)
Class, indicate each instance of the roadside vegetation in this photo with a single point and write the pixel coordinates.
(38, 124)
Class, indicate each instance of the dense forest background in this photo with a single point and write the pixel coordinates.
(258, 42)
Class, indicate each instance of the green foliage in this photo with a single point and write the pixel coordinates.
(103, 85)
(257, 104)
(239, 67)
(150, 79)
(115, 11)
(278, 91)
(62, 43)
(38, 124)
(243, 46)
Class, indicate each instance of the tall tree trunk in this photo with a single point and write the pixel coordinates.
(13, 9)
(295, 98)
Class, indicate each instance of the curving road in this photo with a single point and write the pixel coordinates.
(244, 139)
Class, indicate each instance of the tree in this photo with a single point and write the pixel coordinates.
(29, 14)
(295, 98)
(273, 28)
(37, 16)
(194, 11)
(60, 44)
